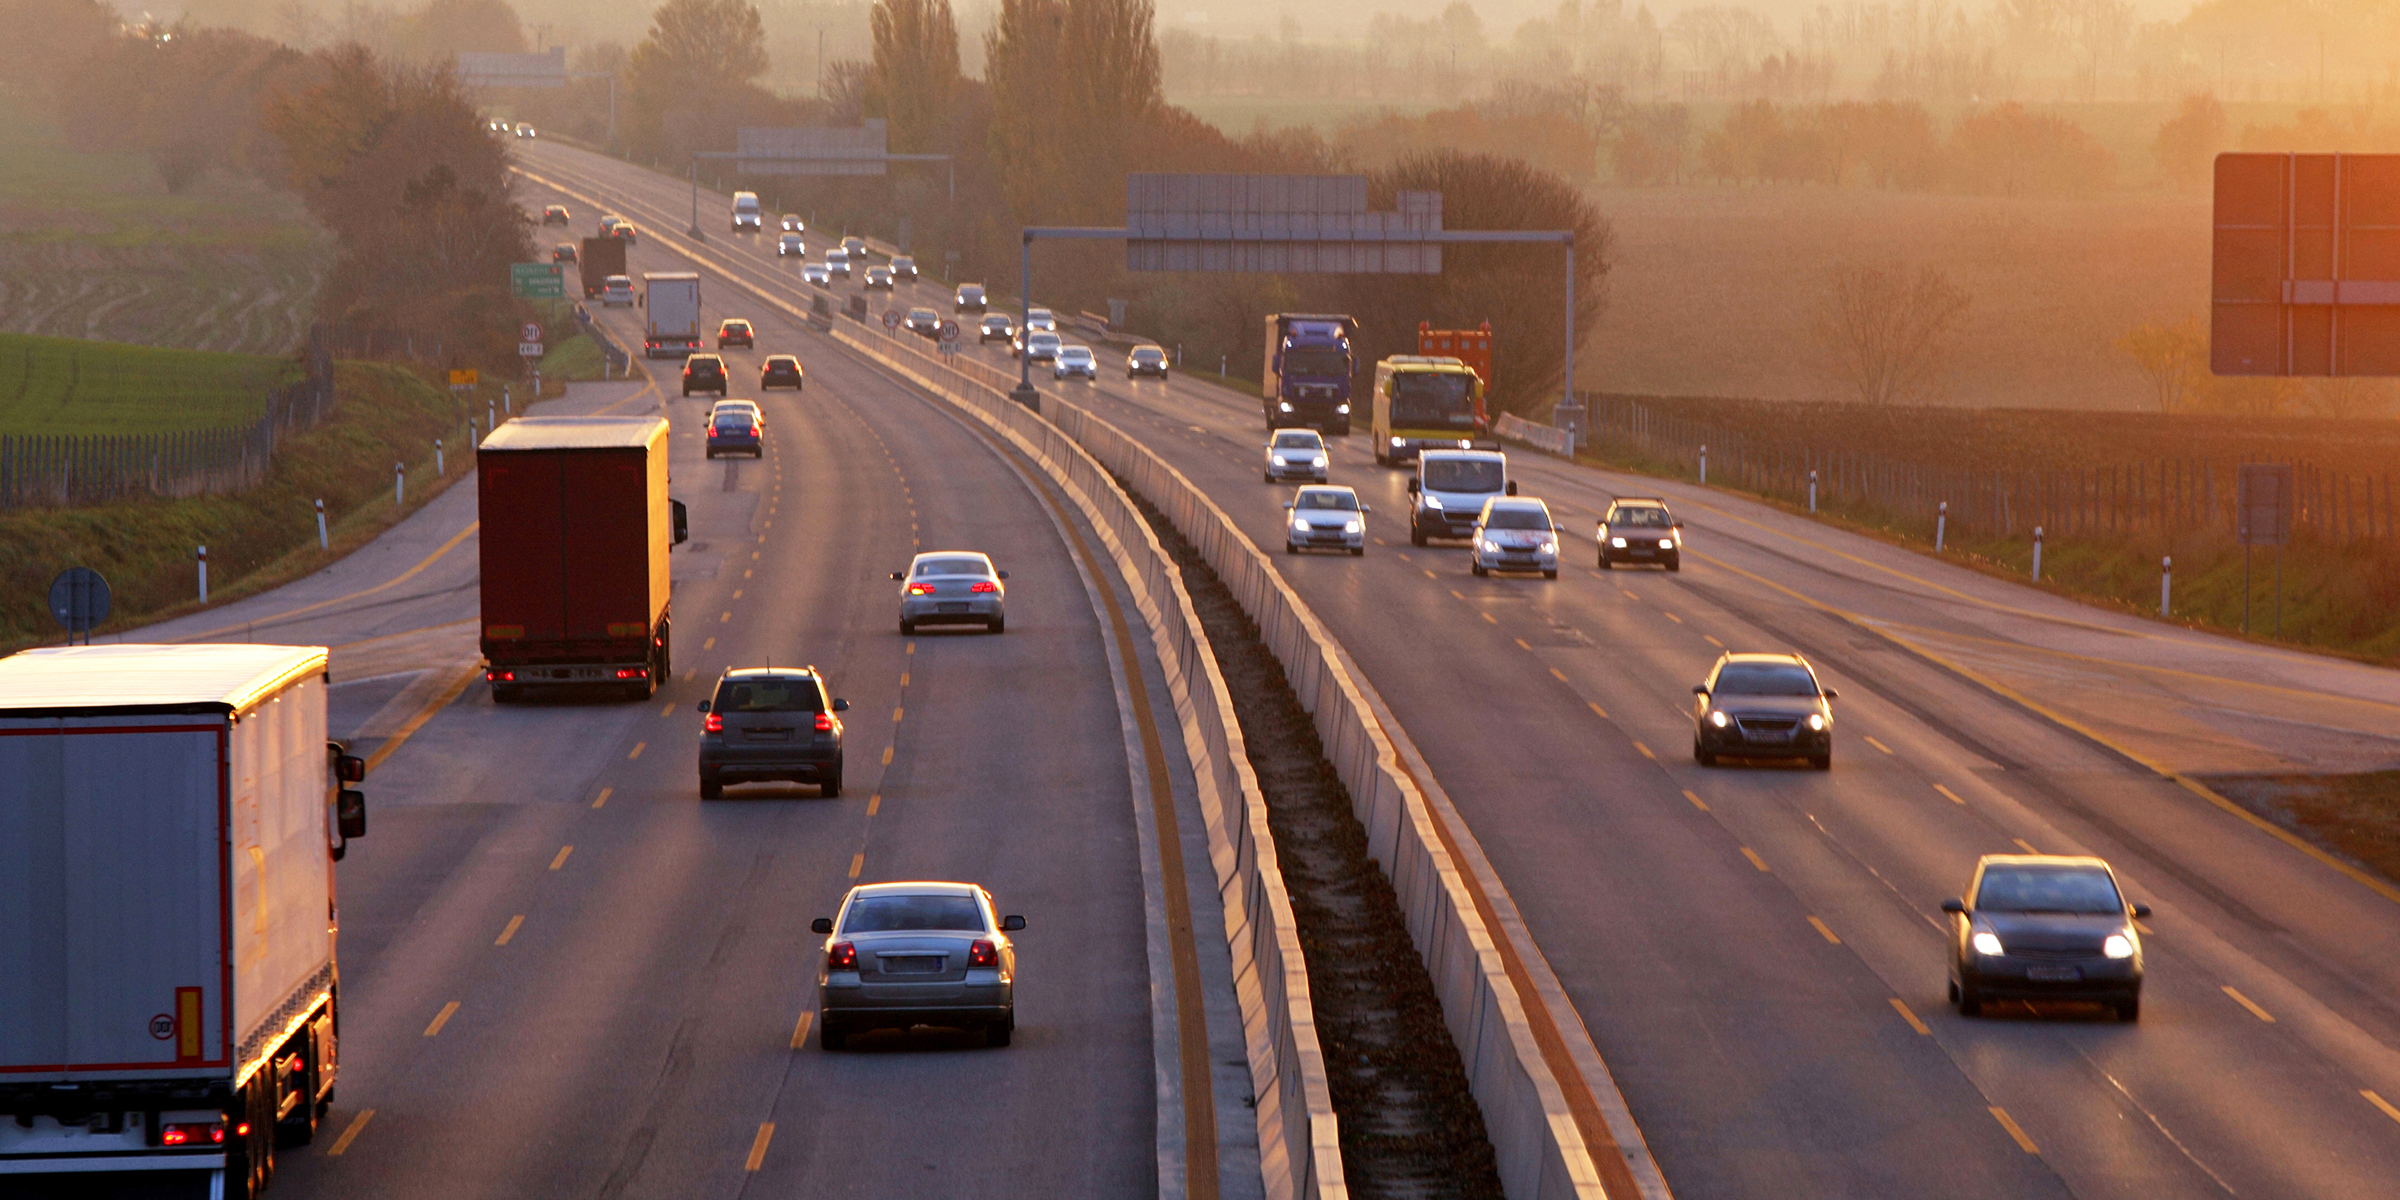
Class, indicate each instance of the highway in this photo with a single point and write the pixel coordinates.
(1757, 951)
(565, 975)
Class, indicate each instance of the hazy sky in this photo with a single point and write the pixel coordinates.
(1499, 16)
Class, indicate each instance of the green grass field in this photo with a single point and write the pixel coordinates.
(51, 385)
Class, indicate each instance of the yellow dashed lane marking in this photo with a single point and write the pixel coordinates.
(359, 1122)
(514, 923)
(1901, 1006)
(2247, 1003)
(2025, 846)
(1824, 931)
(758, 1146)
(800, 1031)
(1697, 802)
(636, 752)
(1558, 675)
(858, 863)
(1755, 860)
(1598, 711)
(1879, 745)
(1947, 792)
(561, 860)
(1645, 751)
(887, 756)
(442, 1018)
(602, 798)
(2009, 1123)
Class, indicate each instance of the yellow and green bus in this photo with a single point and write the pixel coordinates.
(1423, 402)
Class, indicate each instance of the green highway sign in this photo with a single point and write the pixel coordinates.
(538, 281)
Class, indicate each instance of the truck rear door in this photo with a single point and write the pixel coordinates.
(605, 549)
(524, 527)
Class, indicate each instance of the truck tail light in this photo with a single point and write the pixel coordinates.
(633, 672)
(714, 724)
(983, 954)
(985, 586)
(841, 956)
(824, 722)
(499, 676)
(198, 1134)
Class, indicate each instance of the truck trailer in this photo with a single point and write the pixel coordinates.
(599, 258)
(673, 301)
(1309, 366)
(169, 995)
(576, 527)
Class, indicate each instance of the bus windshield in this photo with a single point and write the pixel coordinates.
(1422, 398)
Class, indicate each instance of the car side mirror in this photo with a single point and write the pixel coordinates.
(821, 925)
(1512, 487)
(683, 522)
(2140, 911)
(1699, 689)
(349, 768)
(1011, 924)
(1414, 487)
(1675, 525)
(1003, 574)
(1957, 907)
(705, 706)
(840, 705)
(1366, 508)
(1287, 504)
(899, 575)
(350, 813)
(1832, 694)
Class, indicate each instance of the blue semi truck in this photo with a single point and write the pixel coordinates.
(1306, 381)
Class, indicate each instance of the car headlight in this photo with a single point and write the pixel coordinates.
(1466, 443)
(1619, 543)
(1354, 525)
(1816, 721)
(1717, 719)
(1286, 406)
(1666, 544)
(1549, 547)
(1279, 461)
(1490, 546)
(1399, 441)
(1342, 409)
(2117, 946)
(1434, 503)
(1299, 526)
(1988, 943)
(1318, 461)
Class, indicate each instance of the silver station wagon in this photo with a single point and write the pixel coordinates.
(899, 955)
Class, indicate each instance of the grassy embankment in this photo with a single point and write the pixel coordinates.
(256, 539)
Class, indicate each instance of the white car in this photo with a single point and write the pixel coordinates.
(1075, 360)
(952, 587)
(1041, 318)
(1036, 346)
(616, 290)
(837, 261)
(790, 246)
(1326, 518)
(748, 408)
(817, 273)
(1297, 454)
(1515, 533)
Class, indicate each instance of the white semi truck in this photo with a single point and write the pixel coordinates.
(170, 817)
(673, 300)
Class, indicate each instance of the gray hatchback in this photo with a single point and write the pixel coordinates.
(905, 954)
(769, 724)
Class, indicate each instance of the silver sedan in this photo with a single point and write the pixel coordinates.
(952, 587)
(899, 955)
(1515, 533)
(1326, 518)
(1297, 454)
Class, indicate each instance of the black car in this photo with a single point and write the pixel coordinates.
(1762, 706)
(782, 370)
(564, 252)
(555, 214)
(996, 328)
(2045, 927)
(704, 373)
(771, 724)
(1146, 360)
(970, 298)
(735, 332)
(1639, 529)
(904, 268)
(924, 322)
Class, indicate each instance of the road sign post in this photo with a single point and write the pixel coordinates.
(2262, 516)
(79, 600)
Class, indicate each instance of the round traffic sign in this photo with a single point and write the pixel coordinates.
(530, 333)
(79, 599)
(949, 331)
(891, 318)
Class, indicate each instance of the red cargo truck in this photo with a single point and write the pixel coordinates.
(576, 526)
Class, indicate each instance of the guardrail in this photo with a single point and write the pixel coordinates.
(1536, 1130)
(1299, 1146)
(1540, 437)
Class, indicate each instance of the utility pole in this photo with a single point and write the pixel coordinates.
(820, 62)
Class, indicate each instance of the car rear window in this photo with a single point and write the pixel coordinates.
(953, 566)
(1517, 518)
(2048, 889)
(911, 914)
(1765, 679)
(770, 693)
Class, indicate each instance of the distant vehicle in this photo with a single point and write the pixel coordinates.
(674, 303)
(1639, 529)
(793, 224)
(790, 245)
(555, 214)
(771, 724)
(1514, 534)
(1297, 454)
(733, 331)
(904, 954)
(1326, 518)
(1038, 347)
(1421, 402)
(734, 429)
(996, 327)
(782, 370)
(617, 291)
(879, 277)
(1449, 489)
(524, 130)
(2045, 927)
(1041, 318)
(924, 322)
(904, 268)
(575, 528)
(704, 373)
(746, 217)
(599, 258)
(1307, 373)
(970, 298)
(618, 227)
(855, 247)
(1075, 360)
(1146, 360)
(495, 125)
(748, 408)
(1762, 706)
(563, 252)
(170, 901)
(817, 273)
(948, 587)
(837, 262)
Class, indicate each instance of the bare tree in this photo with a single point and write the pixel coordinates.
(2174, 358)
(1886, 331)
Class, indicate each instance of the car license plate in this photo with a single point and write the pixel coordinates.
(915, 964)
(2054, 974)
(1766, 737)
(950, 606)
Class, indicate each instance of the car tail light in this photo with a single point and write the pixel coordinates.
(202, 1134)
(920, 589)
(983, 954)
(242, 1130)
(824, 722)
(985, 586)
(714, 724)
(841, 956)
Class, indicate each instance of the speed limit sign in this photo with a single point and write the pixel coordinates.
(891, 318)
(949, 331)
(530, 333)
